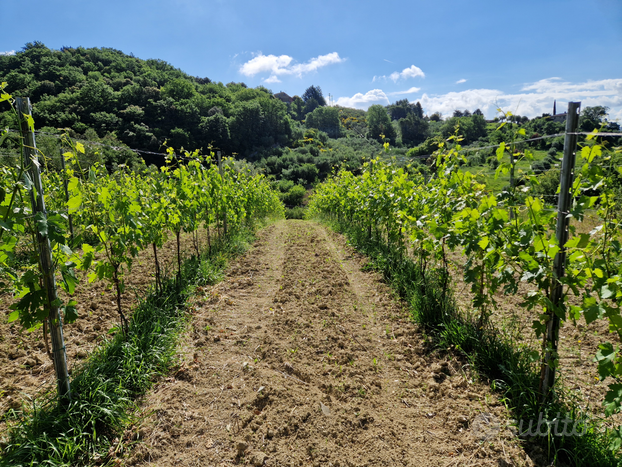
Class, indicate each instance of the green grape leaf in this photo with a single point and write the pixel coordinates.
(88, 254)
(605, 358)
(30, 121)
(501, 149)
(592, 310)
(70, 312)
(608, 291)
(74, 203)
(613, 399)
(42, 224)
(69, 278)
(574, 312)
(579, 241)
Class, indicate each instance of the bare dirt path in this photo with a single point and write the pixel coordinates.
(299, 358)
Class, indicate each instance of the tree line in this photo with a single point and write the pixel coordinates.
(105, 95)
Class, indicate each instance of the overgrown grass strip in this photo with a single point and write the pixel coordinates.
(92, 427)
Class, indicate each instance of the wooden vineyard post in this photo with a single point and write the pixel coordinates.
(512, 183)
(59, 353)
(551, 338)
(222, 180)
(64, 167)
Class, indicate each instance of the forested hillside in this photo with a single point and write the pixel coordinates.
(143, 102)
(106, 96)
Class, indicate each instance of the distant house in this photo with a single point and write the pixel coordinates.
(284, 97)
(558, 117)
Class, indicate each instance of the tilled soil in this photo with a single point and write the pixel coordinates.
(578, 343)
(299, 358)
(25, 367)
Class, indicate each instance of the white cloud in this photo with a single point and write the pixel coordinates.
(535, 99)
(364, 101)
(9, 52)
(532, 100)
(604, 87)
(315, 63)
(408, 91)
(460, 81)
(483, 99)
(410, 72)
(266, 63)
(283, 65)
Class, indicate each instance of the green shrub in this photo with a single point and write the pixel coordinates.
(294, 196)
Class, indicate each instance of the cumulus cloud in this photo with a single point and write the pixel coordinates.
(408, 91)
(535, 99)
(284, 65)
(266, 64)
(410, 72)
(364, 101)
(460, 81)
(8, 52)
(315, 63)
(532, 100)
(484, 99)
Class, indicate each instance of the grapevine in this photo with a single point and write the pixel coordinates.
(506, 238)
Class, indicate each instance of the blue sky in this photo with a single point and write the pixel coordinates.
(447, 54)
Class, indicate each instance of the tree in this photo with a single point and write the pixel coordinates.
(95, 96)
(418, 110)
(379, 124)
(276, 123)
(596, 118)
(593, 118)
(297, 109)
(470, 128)
(401, 109)
(314, 92)
(436, 117)
(325, 119)
(215, 131)
(414, 130)
(479, 126)
(246, 126)
(311, 105)
(179, 89)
